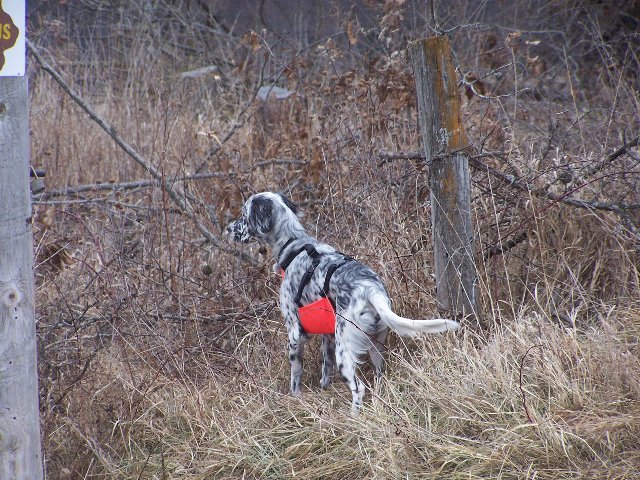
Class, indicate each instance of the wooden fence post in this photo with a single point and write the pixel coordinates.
(20, 456)
(443, 137)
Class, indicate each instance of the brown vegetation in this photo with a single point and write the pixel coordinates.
(162, 356)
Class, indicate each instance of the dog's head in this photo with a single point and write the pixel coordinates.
(267, 217)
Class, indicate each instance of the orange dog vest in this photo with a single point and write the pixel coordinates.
(319, 317)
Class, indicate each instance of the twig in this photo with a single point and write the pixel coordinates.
(77, 379)
(511, 180)
(614, 155)
(95, 187)
(386, 156)
(82, 201)
(285, 67)
(436, 25)
(505, 247)
(278, 161)
(542, 193)
(236, 124)
(136, 184)
(470, 85)
(522, 391)
(92, 113)
(144, 465)
(177, 196)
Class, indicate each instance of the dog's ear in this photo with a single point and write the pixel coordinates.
(260, 216)
(290, 205)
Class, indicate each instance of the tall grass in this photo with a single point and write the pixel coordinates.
(161, 357)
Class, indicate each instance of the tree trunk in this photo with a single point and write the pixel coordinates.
(443, 136)
(20, 456)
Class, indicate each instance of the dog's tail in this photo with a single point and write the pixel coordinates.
(406, 326)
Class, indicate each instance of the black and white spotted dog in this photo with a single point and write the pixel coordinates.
(363, 312)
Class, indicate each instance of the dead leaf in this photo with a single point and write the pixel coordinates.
(474, 86)
(536, 65)
(55, 256)
(353, 36)
(252, 40)
(513, 40)
(48, 217)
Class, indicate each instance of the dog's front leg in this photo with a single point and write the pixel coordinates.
(297, 339)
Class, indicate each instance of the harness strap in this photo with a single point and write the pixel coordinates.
(315, 257)
(315, 261)
(287, 261)
(327, 279)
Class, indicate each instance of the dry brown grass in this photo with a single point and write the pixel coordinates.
(161, 357)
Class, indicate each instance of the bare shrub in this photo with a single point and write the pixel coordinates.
(161, 356)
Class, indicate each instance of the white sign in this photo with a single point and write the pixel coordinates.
(12, 38)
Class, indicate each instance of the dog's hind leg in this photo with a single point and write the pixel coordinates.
(346, 361)
(297, 339)
(375, 352)
(328, 359)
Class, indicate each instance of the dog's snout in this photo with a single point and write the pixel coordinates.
(237, 231)
(229, 229)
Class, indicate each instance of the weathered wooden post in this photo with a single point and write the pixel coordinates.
(444, 142)
(20, 456)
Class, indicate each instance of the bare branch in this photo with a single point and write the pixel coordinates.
(471, 85)
(505, 247)
(542, 193)
(614, 155)
(176, 193)
(475, 162)
(386, 156)
(95, 187)
(137, 184)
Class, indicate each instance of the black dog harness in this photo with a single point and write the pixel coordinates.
(315, 257)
